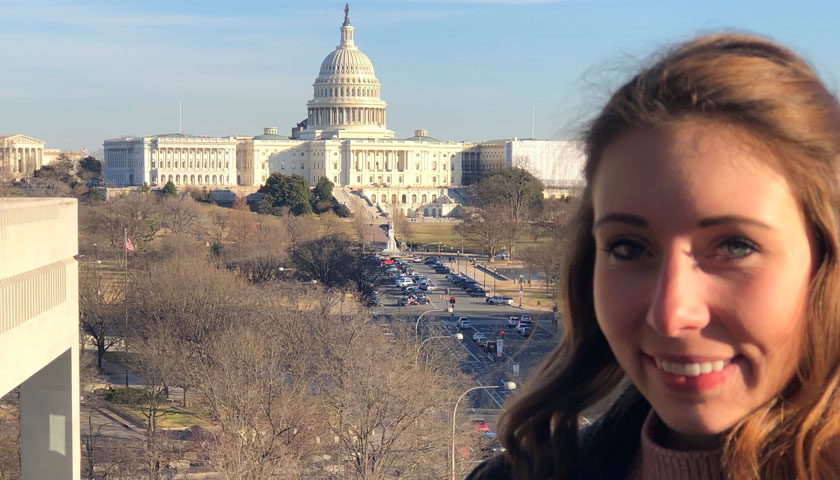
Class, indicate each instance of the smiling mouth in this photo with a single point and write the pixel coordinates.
(691, 369)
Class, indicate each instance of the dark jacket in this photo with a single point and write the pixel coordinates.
(607, 448)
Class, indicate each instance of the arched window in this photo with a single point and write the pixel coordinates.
(394, 198)
(383, 199)
(414, 198)
(373, 199)
(177, 179)
(434, 197)
(423, 199)
(403, 198)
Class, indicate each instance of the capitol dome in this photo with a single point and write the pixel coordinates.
(346, 101)
(346, 60)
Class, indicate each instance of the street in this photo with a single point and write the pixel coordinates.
(520, 354)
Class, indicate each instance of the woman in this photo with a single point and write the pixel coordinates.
(704, 269)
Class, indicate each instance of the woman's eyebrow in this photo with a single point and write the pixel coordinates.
(729, 219)
(625, 218)
(637, 221)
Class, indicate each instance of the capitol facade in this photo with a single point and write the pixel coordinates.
(344, 138)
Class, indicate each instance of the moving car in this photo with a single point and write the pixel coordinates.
(513, 321)
(464, 323)
(478, 337)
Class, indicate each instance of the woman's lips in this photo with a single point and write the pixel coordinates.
(692, 374)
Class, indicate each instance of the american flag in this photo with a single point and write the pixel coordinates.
(129, 245)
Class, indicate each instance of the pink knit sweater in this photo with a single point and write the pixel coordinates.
(659, 463)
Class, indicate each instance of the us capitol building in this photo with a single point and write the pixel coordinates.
(343, 138)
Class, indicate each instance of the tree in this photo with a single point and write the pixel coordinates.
(100, 314)
(139, 215)
(287, 191)
(362, 225)
(90, 168)
(486, 227)
(322, 198)
(554, 216)
(180, 215)
(514, 188)
(325, 259)
(169, 189)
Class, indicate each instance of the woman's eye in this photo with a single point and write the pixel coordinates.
(626, 249)
(735, 248)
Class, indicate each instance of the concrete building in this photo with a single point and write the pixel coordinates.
(20, 155)
(180, 158)
(39, 331)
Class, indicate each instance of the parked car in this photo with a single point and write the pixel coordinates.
(481, 425)
(422, 300)
(499, 300)
(464, 323)
(477, 292)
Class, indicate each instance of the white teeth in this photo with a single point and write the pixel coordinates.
(691, 369)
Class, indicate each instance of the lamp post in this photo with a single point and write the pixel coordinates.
(507, 386)
(417, 323)
(520, 290)
(458, 336)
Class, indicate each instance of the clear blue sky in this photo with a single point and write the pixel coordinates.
(76, 73)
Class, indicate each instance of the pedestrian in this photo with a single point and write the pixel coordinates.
(705, 270)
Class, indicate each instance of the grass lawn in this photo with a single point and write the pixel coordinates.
(169, 416)
(428, 234)
(117, 357)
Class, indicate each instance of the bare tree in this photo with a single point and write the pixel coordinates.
(240, 222)
(10, 435)
(517, 190)
(402, 227)
(486, 227)
(388, 415)
(180, 215)
(100, 310)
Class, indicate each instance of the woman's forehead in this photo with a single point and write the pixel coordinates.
(695, 168)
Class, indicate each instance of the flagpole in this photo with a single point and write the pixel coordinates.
(125, 300)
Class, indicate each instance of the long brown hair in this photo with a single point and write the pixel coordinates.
(779, 100)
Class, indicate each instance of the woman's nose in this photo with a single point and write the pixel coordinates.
(679, 303)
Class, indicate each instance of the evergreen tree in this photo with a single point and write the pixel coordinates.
(170, 190)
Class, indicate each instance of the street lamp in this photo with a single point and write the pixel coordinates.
(520, 290)
(506, 385)
(417, 323)
(458, 336)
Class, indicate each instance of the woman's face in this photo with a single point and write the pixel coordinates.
(701, 273)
